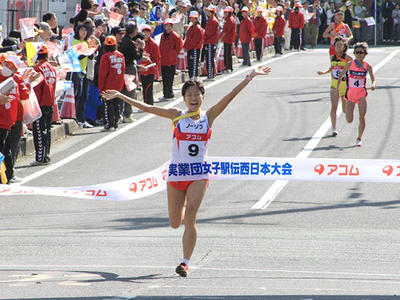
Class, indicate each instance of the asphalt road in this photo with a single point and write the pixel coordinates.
(313, 241)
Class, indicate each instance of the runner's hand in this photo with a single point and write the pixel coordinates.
(320, 73)
(110, 94)
(373, 87)
(261, 71)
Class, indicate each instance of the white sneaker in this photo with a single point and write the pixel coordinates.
(334, 132)
(128, 120)
(14, 180)
(86, 125)
(358, 142)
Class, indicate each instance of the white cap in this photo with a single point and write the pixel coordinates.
(348, 3)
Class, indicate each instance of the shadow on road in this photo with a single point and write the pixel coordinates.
(310, 100)
(306, 138)
(145, 223)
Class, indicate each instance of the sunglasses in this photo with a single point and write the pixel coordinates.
(339, 14)
(359, 52)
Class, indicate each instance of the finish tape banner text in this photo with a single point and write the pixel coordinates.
(226, 168)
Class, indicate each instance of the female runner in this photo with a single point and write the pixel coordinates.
(338, 62)
(357, 86)
(335, 29)
(192, 130)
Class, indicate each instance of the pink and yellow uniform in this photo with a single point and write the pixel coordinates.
(357, 81)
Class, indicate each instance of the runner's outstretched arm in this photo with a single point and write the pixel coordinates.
(217, 109)
(372, 76)
(323, 73)
(170, 113)
(327, 32)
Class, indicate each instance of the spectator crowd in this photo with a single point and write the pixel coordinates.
(128, 45)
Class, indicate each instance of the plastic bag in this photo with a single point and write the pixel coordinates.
(32, 110)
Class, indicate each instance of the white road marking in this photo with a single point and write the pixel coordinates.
(278, 185)
(114, 134)
(48, 268)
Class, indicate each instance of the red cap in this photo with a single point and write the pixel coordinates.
(147, 27)
(168, 21)
(211, 8)
(228, 9)
(194, 14)
(110, 40)
(43, 50)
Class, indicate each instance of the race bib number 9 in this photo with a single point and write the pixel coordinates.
(336, 73)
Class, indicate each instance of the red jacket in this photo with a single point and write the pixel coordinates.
(112, 71)
(296, 20)
(153, 51)
(169, 48)
(279, 26)
(211, 32)
(9, 112)
(260, 27)
(229, 31)
(194, 38)
(46, 90)
(246, 32)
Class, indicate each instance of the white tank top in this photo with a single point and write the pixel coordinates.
(189, 149)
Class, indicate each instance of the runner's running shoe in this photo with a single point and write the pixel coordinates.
(182, 270)
(358, 142)
(334, 132)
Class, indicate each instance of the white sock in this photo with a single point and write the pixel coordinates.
(185, 261)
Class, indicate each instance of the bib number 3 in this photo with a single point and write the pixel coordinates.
(193, 149)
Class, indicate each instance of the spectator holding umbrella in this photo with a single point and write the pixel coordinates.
(170, 46)
(211, 33)
(260, 29)
(246, 34)
(228, 37)
(193, 43)
(151, 55)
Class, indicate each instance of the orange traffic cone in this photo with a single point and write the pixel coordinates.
(239, 50)
(182, 61)
(220, 60)
(56, 114)
(204, 69)
(68, 110)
